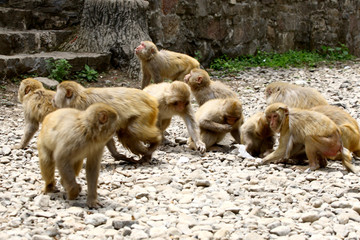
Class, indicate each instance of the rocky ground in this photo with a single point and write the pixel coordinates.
(183, 195)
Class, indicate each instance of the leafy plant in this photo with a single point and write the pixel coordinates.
(88, 74)
(59, 69)
(198, 55)
(284, 60)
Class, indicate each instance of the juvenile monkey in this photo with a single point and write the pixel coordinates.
(174, 99)
(257, 136)
(349, 128)
(36, 101)
(218, 117)
(293, 95)
(66, 138)
(205, 89)
(163, 64)
(137, 132)
(300, 128)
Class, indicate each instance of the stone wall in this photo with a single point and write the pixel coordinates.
(237, 27)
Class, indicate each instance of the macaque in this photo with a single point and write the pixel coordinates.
(138, 111)
(159, 65)
(349, 128)
(301, 128)
(205, 89)
(257, 136)
(293, 95)
(216, 118)
(174, 99)
(36, 101)
(66, 138)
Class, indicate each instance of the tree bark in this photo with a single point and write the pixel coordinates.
(115, 26)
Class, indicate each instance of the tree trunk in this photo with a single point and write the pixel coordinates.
(115, 26)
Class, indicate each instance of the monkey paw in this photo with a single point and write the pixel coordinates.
(17, 146)
(50, 188)
(74, 191)
(93, 203)
(201, 147)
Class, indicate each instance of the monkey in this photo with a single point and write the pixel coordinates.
(349, 128)
(257, 136)
(301, 128)
(293, 95)
(159, 65)
(174, 99)
(36, 102)
(67, 137)
(204, 89)
(137, 133)
(216, 118)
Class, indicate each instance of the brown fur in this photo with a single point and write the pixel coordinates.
(299, 128)
(66, 138)
(174, 99)
(213, 118)
(159, 65)
(204, 89)
(36, 101)
(257, 136)
(138, 112)
(349, 128)
(293, 95)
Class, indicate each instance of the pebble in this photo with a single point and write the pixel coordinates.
(187, 195)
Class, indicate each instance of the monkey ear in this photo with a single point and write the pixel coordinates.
(27, 89)
(103, 117)
(152, 50)
(285, 109)
(199, 79)
(69, 93)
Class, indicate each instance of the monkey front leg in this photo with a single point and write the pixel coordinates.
(146, 78)
(114, 153)
(215, 127)
(194, 132)
(279, 153)
(29, 131)
(236, 134)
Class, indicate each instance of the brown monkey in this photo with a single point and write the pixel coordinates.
(138, 132)
(257, 136)
(66, 138)
(349, 128)
(293, 95)
(300, 128)
(164, 64)
(216, 118)
(36, 101)
(205, 89)
(174, 99)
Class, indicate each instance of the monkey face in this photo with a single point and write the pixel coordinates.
(274, 121)
(180, 106)
(231, 120)
(140, 48)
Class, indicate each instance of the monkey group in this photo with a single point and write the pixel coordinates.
(78, 122)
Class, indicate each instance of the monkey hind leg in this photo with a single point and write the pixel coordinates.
(68, 180)
(47, 168)
(210, 138)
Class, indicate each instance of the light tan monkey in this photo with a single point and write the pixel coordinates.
(174, 99)
(159, 65)
(66, 138)
(293, 95)
(257, 136)
(36, 101)
(138, 132)
(299, 128)
(205, 89)
(216, 118)
(349, 128)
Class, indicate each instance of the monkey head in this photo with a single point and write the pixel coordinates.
(197, 78)
(233, 111)
(276, 113)
(146, 50)
(66, 94)
(178, 96)
(28, 85)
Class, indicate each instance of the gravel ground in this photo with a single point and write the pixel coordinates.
(183, 195)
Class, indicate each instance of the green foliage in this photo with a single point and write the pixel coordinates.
(59, 69)
(198, 55)
(284, 60)
(88, 74)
